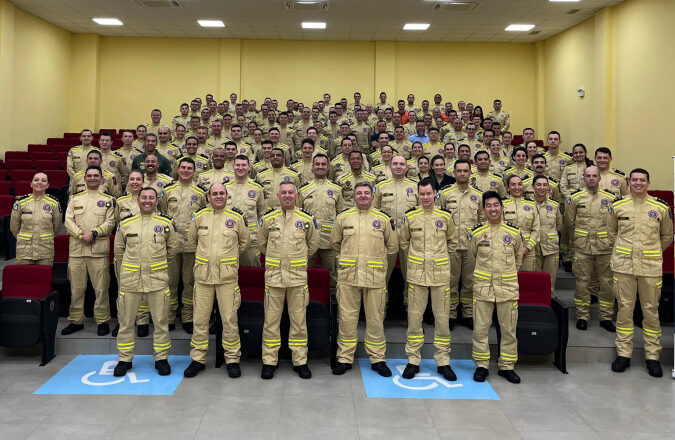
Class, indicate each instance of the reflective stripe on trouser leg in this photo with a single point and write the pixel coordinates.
(482, 319)
(99, 273)
(582, 269)
(77, 275)
(549, 263)
(143, 315)
(187, 295)
(586, 269)
(298, 298)
(274, 307)
(203, 306)
(649, 289)
(507, 313)
(349, 306)
(159, 310)
(417, 303)
(374, 302)
(440, 304)
(127, 304)
(626, 293)
(602, 275)
(229, 300)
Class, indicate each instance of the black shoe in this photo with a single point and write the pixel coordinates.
(480, 374)
(608, 325)
(341, 368)
(447, 373)
(654, 368)
(72, 328)
(143, 330)
(267, 371)
(410, 371)
(163, 367)
(509, 375)
(103, 329)
(468, 322)
(193, 369)
(452, 323)
(582, 324)
(381, 368)
(303, 371)
(233, 369)
(172, 327)
(429, 319)
(115, 331)
(620, 364)
(121, 368)
(568, 266)
(188, 327)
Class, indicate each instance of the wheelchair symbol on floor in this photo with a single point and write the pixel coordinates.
(107, 370)
(425, 378)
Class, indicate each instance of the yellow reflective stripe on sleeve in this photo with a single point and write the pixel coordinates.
(581, 232)
(375, 264)
(160, 265)
(416, 260)
(299, 263)
(131, 267)
(482, 275)
(325, 227)
(46, 236)
(346, 261)
(652, 253)
(659, 284)
(230, 260)
(442, 261)
(551, 234)
(509, 276)
(623, 250)
(23, 236)
(601, 234)
(581, 302)
(275, 262)
(201, 260)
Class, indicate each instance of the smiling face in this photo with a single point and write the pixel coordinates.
(493, 210)
(287, 194)
(217, 196)
(147, 201)
(40, 183)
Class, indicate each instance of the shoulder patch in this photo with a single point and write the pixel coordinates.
(237, 210)
(25, 197)
(619, 172)
(476, 227)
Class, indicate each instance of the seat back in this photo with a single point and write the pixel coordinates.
(19, 164)
(534, 288)
(22, 188)
(58, 177)
(318, 281)
(42, 165)
(252, 283)
(26, 281)
(6, 203)
(24, 175)
(5, 188)
(61, 248)
(16, 155)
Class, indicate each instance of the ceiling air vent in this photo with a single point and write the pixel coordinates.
(306, 5)
(533, 32)
(455, 6)
(159, 3)
(572, 11)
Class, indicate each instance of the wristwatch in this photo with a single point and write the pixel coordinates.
(94, 233)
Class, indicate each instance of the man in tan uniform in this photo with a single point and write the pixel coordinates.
(109, 183)
(556, 159)
(155, 121)
(112, 161)
(355, 175)
(498, 249)
(550, 223)
(499, 115)
(463, 201)
(523, 213)
(428, 236)
(362, 236)
(90, 220)
(539, 168)
(323, 199)
(218, 173)
(271, 178)
(287, 236)
(180, 200)
(35, 220)
(247, 196)
(77, 156)
(482, 179)
(128, 153)
(304, 165)
(642, 227)
(586, 216)
(143, 245)
(219, 236)
(611, 179)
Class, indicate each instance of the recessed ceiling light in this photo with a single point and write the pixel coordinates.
(108, 21)
(313, 25)
(416, 26)
(519, 27)
(211, 23)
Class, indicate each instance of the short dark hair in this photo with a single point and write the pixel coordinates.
(539, 156)
(461, 161)
(492, 195)
(100, 156)
(480, 152)
(187, 160)
(105, 133)
(242, 157)
(425, 182)
(94, 167)
(322, 156)
(539, 177)
(148, 188)
(517, 149)
(639, 170)
(603, 150)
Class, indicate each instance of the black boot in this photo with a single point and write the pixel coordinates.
(115, 330)
(121, 368)
(267, 371)
(381, 369)
(103, 329)
(143, 330)
(233, 370)
(193, 369)
(72, 328)
(654, 368)
(620, 364)
(303, 371)
(608, 325)
(410, 371)
(480, 374)
(163, 367)
(582, 324)
(447, 373)
(341, 368)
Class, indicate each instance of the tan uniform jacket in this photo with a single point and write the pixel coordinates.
(287, 238)
(170, 151)
(488, 182)
(382, 172)
(572, 178)
(553, 191)
(586, 214)
(144, 244)
(113, 162)
(523, 214)
(641, 229)
(499, 252)
(77, 159)
(208, 178)
(551, 222)
(180, 202)
(126, 205)
(523, 173)
(160, 182)
(304, 170)
(109, 183)
(498, 164)
(347, 183)
(34, 221)
(90, 210)
(248, 198)
(466, 209)
(270, 180)
(396, 196)
(614, 181)
(218, 237)
(323, 199)
(556, 163)
(501, 116)
(363, 239)
(362, 132)
(429, 237)
(128, 157)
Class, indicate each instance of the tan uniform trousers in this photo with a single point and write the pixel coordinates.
(650, 293)
(584, 269)
(529, 263)
(349, 306)
(507, 313)
(128, 303)
(548, 263)
(566, 247)
(183, 264)
(250, 258)
(298, 299)
(229, 300)
(328, 261)
(418, 296)
(98, 269)
(391, 264)
(41, 261)
(462, 264)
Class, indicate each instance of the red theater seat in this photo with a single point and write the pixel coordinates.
(16, 155)
(38, 148)
(15, 175)
(42, 165)
(28, 308)
(5, 188)
(19, 164)
(22, 188)
(41, 155)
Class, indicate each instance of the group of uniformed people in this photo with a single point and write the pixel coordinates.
(357, 185)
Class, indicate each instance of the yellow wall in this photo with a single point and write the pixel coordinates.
(34, 74)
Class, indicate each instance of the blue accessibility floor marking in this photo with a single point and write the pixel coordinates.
(427, 384)
(93, 374)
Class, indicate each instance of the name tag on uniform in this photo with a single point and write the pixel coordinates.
(483, 243)
(624, 218)
(348, 227)
(132, 235)
(203, 227)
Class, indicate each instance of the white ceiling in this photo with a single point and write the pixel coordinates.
(355, 20)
